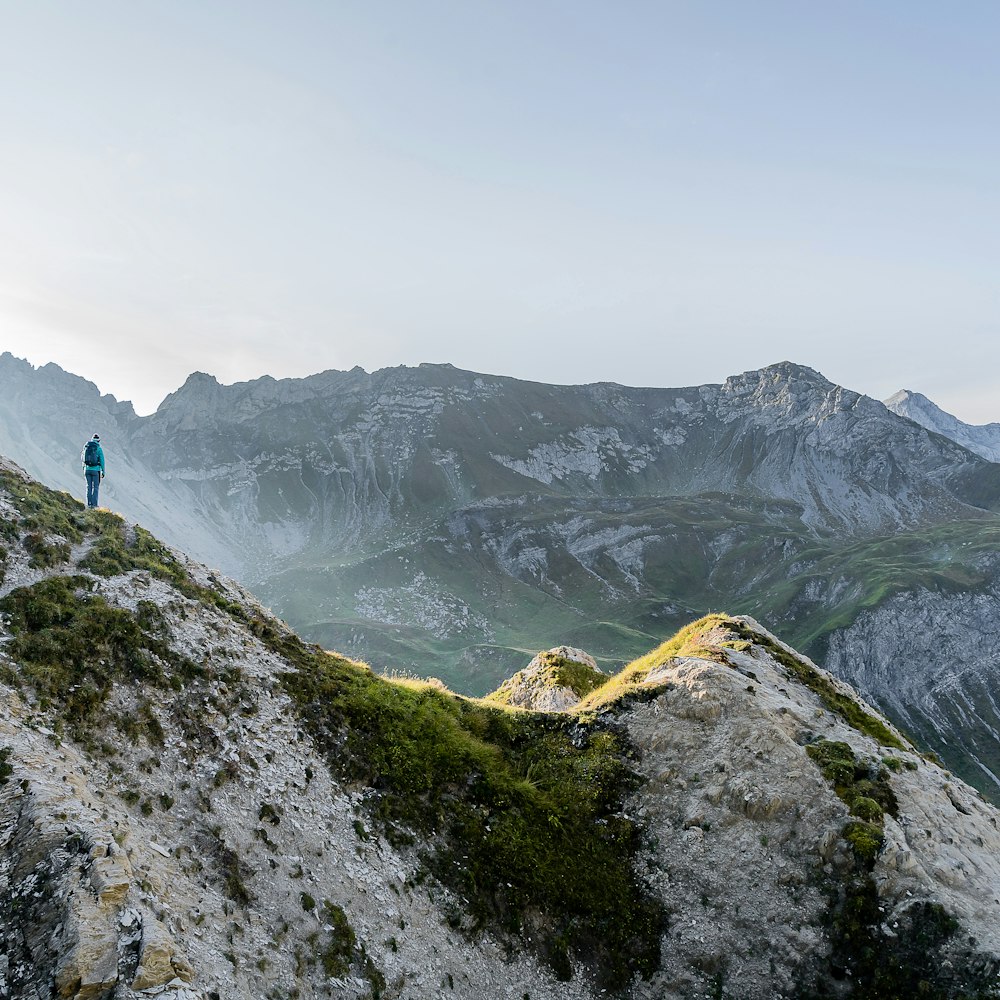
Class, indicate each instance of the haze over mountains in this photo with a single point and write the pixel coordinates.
(453, 523)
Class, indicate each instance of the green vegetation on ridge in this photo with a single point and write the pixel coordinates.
(554, 672)
(523, 810)
(521, 814)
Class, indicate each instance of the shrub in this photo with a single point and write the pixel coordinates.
(867, 809)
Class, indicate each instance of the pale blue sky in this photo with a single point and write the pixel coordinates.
(650, 193)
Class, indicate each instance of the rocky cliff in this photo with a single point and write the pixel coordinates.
(426, 514)
(195, 804)
(983, 439)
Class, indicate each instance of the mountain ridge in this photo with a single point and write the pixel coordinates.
(222, 809)
(431, 513)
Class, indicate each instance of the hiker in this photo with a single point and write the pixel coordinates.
(93, 468)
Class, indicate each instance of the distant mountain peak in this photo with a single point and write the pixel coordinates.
(790, 369)
(983, 439)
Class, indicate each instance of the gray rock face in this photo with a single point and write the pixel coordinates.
(947, 694)
(331, 463)
(983, 439)
(442, 521)
(555, 680)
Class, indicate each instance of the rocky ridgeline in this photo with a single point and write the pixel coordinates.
(195, 805)
(415, 512)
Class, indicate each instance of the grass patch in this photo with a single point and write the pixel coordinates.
(42, 553)
(689, 641)
(44, 511)
(114, 552)
(522, 811)
(71, 647)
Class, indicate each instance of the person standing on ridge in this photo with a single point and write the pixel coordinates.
(93, 468)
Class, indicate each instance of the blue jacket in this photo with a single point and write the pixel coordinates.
(100, 460)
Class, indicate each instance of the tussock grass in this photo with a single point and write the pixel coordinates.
(689, 641)
(521, 811)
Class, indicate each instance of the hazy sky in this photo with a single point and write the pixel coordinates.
(651, 193)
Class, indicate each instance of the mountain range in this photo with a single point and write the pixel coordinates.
(196, 804)
(439, 521)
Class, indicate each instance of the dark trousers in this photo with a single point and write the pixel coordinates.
(93, 485)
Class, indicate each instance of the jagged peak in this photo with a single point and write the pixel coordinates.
(783, 373)
(901, 396)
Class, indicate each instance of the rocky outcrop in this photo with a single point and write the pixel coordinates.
(751, 843)
(555, 680)
(75, 920)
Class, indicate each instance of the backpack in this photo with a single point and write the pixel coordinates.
(90, 454)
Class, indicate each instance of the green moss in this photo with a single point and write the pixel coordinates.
(5, 769)
(866, 840)
(524, 810)
(867, 809)
(578, 677)
(71, 647)
(863, 785)
(337, 952)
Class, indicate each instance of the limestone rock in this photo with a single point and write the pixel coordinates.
(554, 681)
(160, 959)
